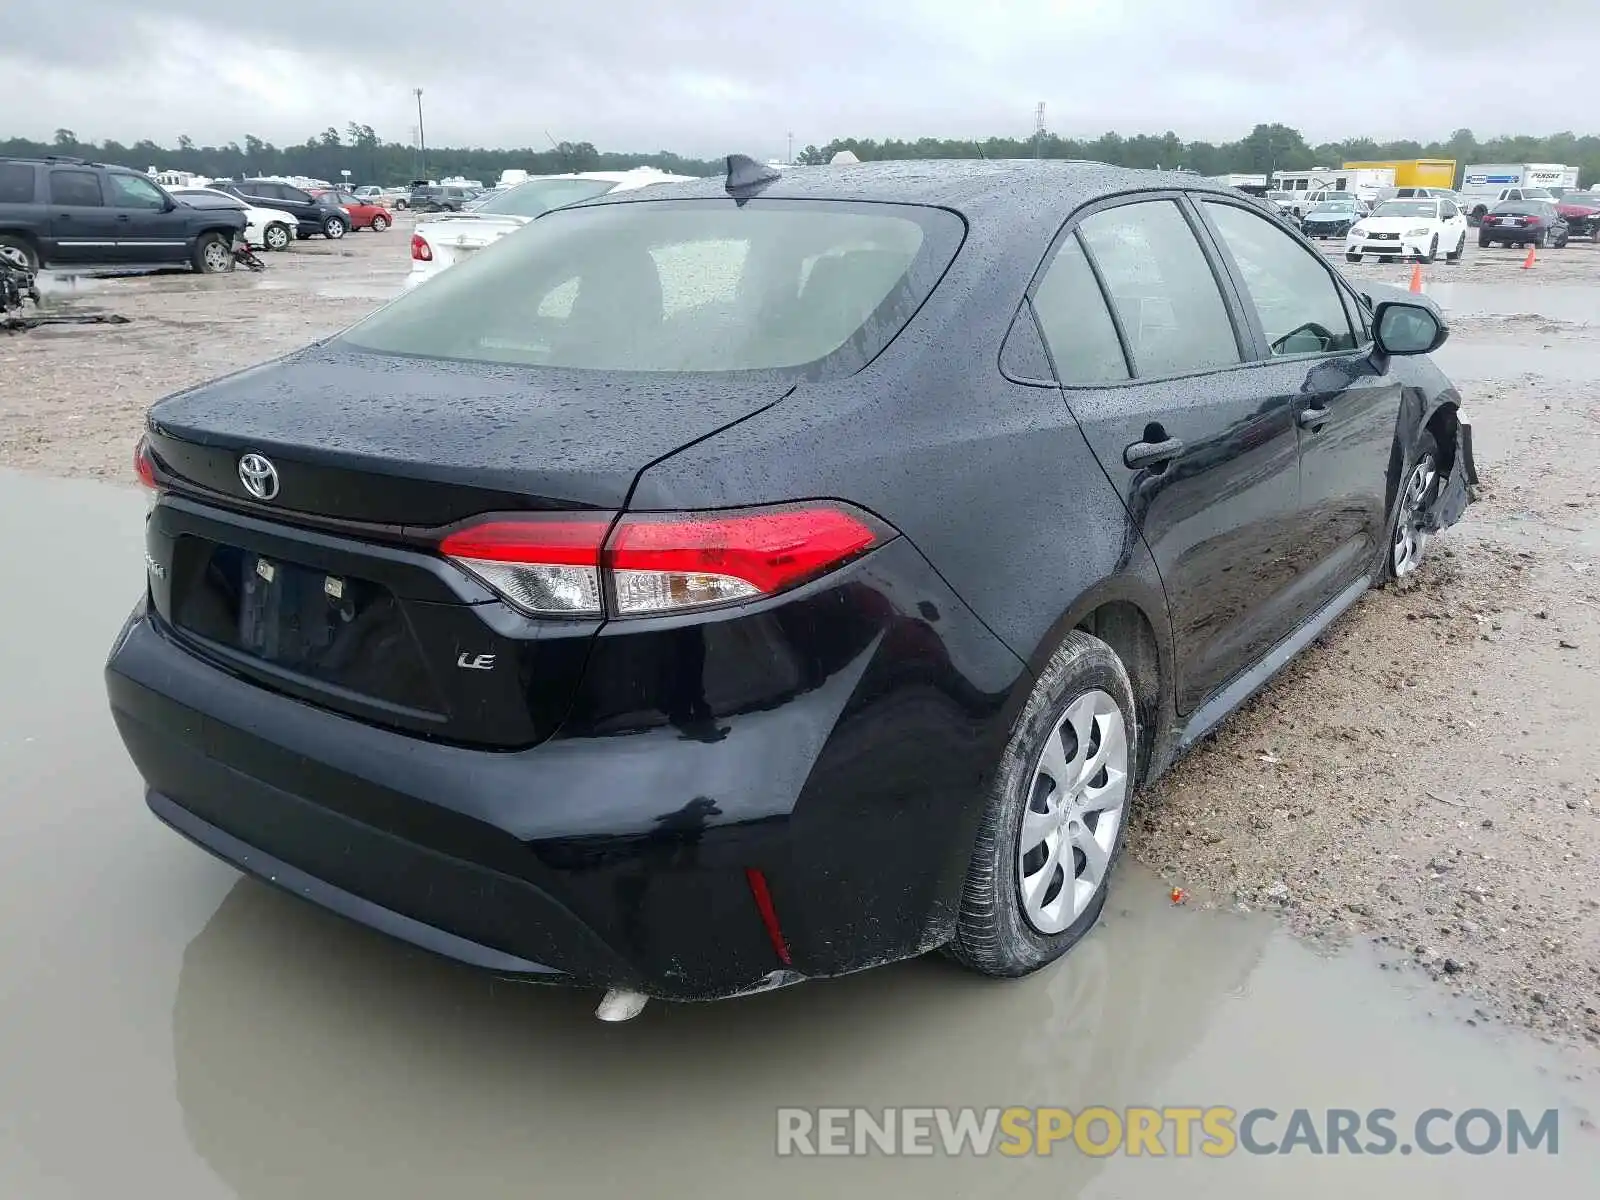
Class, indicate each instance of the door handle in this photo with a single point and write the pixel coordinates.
(1313, 417)
(122, 216)
(1150, 454)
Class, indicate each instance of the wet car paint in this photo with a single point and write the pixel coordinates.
(861, 821)
(215, 1038)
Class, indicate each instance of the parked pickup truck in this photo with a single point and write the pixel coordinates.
(68, 213)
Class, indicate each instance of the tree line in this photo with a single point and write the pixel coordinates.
(369, 159)
(358, 150)
(1265, 149)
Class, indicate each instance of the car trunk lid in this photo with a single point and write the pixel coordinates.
(330, 587)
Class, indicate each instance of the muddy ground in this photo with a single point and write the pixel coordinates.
(1428, 779)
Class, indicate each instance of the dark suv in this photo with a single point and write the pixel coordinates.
(65, 212)
(314, 214)
(433, 197)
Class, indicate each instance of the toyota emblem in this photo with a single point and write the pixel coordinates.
(259, 476)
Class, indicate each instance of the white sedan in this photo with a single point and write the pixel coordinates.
(1420, 229)
(442, 239)
(269, 227)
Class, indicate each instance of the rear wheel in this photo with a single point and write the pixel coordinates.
(1461, 248)
(1054, 817)
(1410, 539)
(1542, 240)
(212, 254)
(277, 236)
(19, 252)
(1594, 234)
(1352, 258)
(379, 223)
(1433, 250)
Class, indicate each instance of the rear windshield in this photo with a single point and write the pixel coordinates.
(538, 196)
(1523, 208)
(681, 286)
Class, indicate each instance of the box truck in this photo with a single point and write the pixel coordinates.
(1414, 172)
(1483, 185)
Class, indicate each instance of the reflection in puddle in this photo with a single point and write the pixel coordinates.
(314, 1058)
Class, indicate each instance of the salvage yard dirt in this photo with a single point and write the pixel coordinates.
(1428, 777)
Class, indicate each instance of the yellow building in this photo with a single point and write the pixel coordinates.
(1416, 172)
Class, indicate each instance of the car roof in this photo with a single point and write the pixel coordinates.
(1041, 192)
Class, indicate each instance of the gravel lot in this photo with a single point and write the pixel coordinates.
(1428, 778)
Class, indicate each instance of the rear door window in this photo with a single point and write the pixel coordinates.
(1295, 297)
(76, 189)
(16, 183)
(1162, 286)
(1075, 321)
(681, 286)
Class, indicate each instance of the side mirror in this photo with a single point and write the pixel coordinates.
(1400, 327)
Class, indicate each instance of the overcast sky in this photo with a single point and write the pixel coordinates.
(705, 77)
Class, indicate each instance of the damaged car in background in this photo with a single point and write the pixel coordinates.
(758, 579)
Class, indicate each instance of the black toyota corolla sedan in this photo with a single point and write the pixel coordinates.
(768, 577)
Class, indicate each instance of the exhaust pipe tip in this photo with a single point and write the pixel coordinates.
(621, 1005)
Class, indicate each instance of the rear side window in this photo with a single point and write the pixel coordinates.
(80, 189)
(1076, 323)
(1162, 286)
(294, 194)
(681, 286)
(1294, 295)
(16, 183)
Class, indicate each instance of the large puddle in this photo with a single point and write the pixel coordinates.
(174, 1030)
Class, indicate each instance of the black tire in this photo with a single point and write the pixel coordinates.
(19, 252)
(1427, 447)
(1594, 234)
(277, 236)
(213, 254)
(993, 934)
(1484, 243)
(1433, 251)
(1542, 240)
(1355, 258)
(1461, 248)
(335, 227)
(1561, 240)
(379, 223)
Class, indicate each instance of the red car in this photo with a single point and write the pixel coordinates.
(363, 213)
(1581, 211)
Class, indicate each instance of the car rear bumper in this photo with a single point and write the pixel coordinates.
(1501, 233)
(611, 858)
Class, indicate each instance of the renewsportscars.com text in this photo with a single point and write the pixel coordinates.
(1213, 1132)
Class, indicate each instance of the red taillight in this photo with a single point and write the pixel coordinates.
(144, 466)
(549, 566)
(420, 250)
(658, 562)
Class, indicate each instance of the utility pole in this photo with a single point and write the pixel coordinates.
(1038, 130)
(422, 138)
(790, 159)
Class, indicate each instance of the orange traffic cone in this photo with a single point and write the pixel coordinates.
(1416, 278)
(1528, 262)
